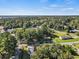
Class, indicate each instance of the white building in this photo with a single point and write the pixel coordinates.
(2, 29)
(31, 49)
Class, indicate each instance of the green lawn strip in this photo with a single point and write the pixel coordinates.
(76, 57)
(57, 40)
(60, 34)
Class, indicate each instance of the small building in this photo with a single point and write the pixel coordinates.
(2, 30)
(73, 31)
(34, 25)
(31, 49)
(13, 35)
(77, 51)
(9, 30)
(65, 37)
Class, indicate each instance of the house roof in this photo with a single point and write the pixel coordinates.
(1, 27)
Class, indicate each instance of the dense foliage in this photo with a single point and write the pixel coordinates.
(7, 45)
(58, 23)
(53, 52)
(34, 36)
(38, 31)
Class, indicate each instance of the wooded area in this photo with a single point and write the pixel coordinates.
(43, 34)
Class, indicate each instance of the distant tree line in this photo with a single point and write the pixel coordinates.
(55, 22)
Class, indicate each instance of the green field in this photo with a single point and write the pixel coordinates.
(58, 33)
(76, 57)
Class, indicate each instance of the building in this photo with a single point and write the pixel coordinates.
(9, 30)
(2, 30)
(73, 31)
(65, 37)
(31, 49)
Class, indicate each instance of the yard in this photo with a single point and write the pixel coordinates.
(58, 33)
(76, 57)
(76, 46)
(57, 40)
(64, 34)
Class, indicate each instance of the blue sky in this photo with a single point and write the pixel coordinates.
(39, 7)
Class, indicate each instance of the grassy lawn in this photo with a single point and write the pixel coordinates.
(76, 57)
(57, 40)
(76, 46)
(60, 33)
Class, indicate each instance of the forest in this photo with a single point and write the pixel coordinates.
(39, 37)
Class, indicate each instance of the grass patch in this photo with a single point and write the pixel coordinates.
(76, 46)
(57, 40)
(61, 33)
(76, 57)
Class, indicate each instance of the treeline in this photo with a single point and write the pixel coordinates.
(55, 22)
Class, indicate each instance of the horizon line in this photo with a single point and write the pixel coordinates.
(42, 15)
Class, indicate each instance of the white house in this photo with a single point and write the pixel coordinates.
(74, 30)
(2, 29)
(31, 49)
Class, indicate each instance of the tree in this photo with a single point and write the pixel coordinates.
(8, 45)
(54, 51)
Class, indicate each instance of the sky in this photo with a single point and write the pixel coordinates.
(39, 7)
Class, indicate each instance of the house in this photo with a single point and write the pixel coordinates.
(0, 17)
(34, 25)
(77, 51)
(9, 30)
(13, 35)
(73, 31)
(2, 30)
(65, 37)
(31, 49)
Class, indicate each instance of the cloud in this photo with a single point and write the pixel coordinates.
(69, 1)
(52, 9)
(43, 12)
(54, 5)
(55, 9)
(20, 12)
(68, 9)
